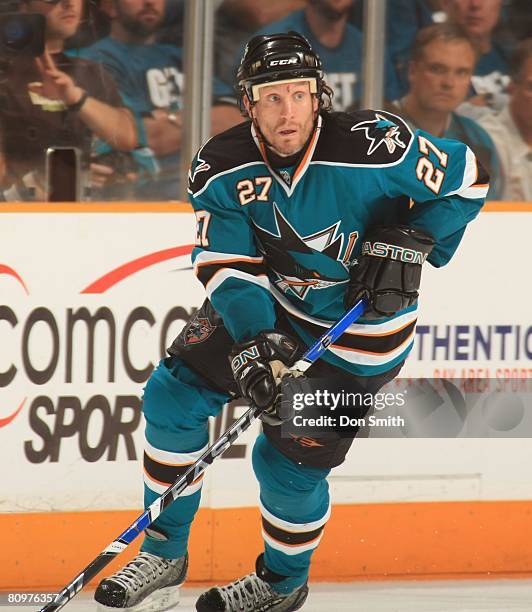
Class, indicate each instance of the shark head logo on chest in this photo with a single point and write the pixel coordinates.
(301, 263)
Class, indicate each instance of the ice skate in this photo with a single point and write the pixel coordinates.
(146, 584)
(252, 593)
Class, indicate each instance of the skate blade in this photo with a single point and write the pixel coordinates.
(158, 601)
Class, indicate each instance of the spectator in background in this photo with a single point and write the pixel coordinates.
(479, 18)
(236, 20)
(339, 44)
(94, 25)
(404, 18)
(443, 60)
(511, 129)
(150, 78)
(520, 19)
(56, 101)
(172, 29)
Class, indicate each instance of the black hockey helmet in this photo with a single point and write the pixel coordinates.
(278, 57)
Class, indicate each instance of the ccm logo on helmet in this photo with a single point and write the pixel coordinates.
(283, 62)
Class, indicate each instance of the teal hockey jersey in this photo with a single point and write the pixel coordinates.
(286, 238)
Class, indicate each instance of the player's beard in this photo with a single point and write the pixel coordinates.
(307, 132)
(277, 144)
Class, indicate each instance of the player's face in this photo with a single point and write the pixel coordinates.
(285, 115)
(440, 79)
(62, 19)
(477, 17)
(521, 96)
(141, 17)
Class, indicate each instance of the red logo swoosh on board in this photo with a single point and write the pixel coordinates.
(10, 272)
(6, 420)
(117, 275)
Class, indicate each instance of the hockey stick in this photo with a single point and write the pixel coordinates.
(195, 470)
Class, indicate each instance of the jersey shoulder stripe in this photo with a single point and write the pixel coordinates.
(363, 138)
(222, 153)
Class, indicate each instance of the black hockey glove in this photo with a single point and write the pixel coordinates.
(259, 366)
(388, 273)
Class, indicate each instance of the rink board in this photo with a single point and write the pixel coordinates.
(90, 295)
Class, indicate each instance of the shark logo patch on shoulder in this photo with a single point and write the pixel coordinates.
(381, 131)
(201, 166)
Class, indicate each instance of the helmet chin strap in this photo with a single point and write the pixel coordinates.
(255, 123)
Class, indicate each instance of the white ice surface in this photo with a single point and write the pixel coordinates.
(440, 596)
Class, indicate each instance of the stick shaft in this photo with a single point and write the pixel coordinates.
(332, 334)
(196, 469)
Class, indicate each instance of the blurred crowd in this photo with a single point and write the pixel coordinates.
(110, 84)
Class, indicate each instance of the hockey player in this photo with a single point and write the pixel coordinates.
(300, 211)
